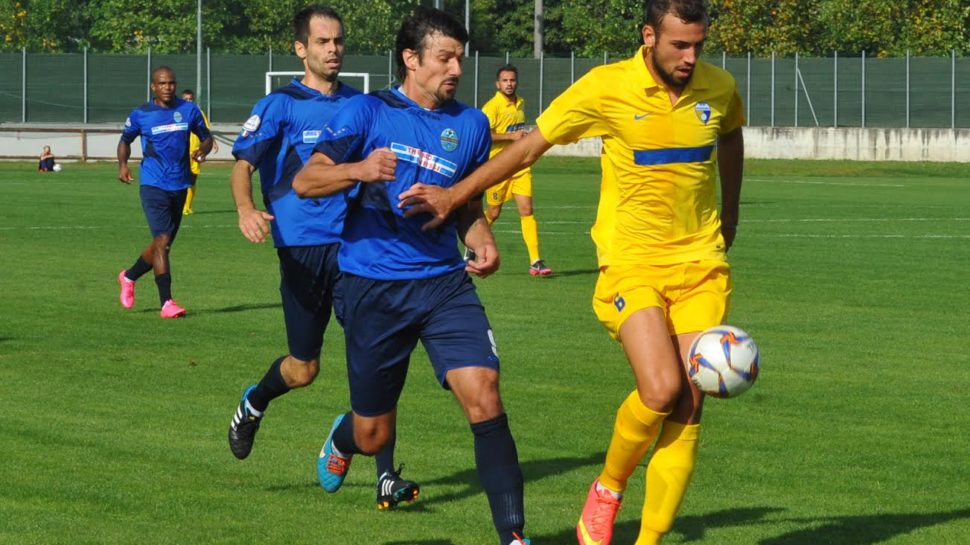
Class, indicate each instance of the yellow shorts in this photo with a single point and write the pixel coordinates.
(519, 184)
(195, 167)
(694, 296)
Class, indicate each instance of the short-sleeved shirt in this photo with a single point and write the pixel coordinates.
(435, 147)
(165, 141)
(657, 197)
(278, 138)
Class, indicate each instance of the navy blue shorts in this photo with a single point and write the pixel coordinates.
(163, 209)
(384, 320)
(307, 276)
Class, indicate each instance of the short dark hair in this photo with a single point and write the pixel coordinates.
(507, 68)
(421, 24)
(162, 68)
(301, 21)
(188, 92)
(689, 11)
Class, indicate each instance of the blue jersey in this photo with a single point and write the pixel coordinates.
(278, 138)
(165, 141)
(436, 147)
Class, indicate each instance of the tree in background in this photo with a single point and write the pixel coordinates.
(586, 27)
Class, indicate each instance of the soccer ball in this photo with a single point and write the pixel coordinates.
(57, 167)
(723, 361)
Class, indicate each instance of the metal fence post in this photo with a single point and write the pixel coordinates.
(476, 78)
(835, 90)
(863, 89)
(796, 89)
(23, 85)
(542, 76)
(953, 89)
(269, 56)
(907, 88)
(390, 67)
(208, 82)
(772, 89)
(85, 86)
(747, 92)
(572, 67)
(148, 88)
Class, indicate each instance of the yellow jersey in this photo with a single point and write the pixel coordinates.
(194, 141)
(504, 117)
(657, 194)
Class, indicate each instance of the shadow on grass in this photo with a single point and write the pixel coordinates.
(204, 212)
(577, 272)
(532, 470)
(862, 529)
(241, 308)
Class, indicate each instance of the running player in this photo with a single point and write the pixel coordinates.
(506, 120)
(277, 138)
(667, 119)
(400, 285)
(195, 167)
(164, 125)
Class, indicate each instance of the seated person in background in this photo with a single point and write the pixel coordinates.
(46, 163)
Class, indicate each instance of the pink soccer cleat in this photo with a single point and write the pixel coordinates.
(127, 290)
(171, 309)
(595, 525)
(539, 269)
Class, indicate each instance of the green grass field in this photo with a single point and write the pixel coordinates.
(851, 276)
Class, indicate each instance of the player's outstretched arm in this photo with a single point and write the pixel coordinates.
(320, 176)
(253, 223)
(477, 235)
(124, 153)
(730, 164)
(441, 202)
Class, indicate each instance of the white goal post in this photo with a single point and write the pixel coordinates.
(343, 75)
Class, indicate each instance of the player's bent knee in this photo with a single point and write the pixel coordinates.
(371, 439)
(298, 373)
(660, 395)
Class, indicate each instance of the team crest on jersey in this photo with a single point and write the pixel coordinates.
(310, 137)
(449, 140)
(703, 111)
(177, 116)
(251, 124)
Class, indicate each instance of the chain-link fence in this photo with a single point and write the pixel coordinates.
(836, 91)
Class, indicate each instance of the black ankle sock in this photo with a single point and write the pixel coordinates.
(270, 387)
(343, 436)
(385, 458)
(164, 283)
(497, 462)
(139, 268)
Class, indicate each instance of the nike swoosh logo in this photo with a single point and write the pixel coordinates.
(638, 117)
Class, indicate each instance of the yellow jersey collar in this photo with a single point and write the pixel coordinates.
(518, 99)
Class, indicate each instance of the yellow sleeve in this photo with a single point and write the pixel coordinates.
(574, 114)
(734, 117)
(206, 119)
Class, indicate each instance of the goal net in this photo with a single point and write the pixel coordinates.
(357, 80)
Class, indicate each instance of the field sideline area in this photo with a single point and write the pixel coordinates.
(852, 277)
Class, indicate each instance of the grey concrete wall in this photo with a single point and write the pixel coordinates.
(99, 143)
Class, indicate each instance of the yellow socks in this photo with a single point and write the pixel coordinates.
(635, 428)
(188, 200)
(668, 475)
(530, 234)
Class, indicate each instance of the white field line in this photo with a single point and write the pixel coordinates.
(814, 182)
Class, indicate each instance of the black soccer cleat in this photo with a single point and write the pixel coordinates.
(392, 490)
(242, 430)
